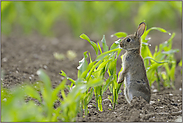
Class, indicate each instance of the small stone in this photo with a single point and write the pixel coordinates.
(152, 102)
(171, 94)
(155, 90)
(179, 119)
(151, 120)
(105, 100)
(90, 106)
(45, 67)
(4, 59)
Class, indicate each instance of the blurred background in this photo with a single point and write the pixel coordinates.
(38, 30)
(54, 18)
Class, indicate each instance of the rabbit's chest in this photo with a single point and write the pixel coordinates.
(130, 62)
(135, 69)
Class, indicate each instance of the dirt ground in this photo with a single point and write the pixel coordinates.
(22, 56)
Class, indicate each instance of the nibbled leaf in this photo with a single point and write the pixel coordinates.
(63, 73)
(115, 45)
(85, 37)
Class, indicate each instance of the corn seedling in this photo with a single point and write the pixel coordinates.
(16, 109)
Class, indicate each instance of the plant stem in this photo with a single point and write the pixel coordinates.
(158, 79)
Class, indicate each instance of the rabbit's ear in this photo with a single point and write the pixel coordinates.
(140, 29)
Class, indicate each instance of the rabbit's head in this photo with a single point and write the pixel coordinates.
(133, 41)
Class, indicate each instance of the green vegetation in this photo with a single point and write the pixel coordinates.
(161, 65)
(94, 77)
(15, 109)
(88, 16)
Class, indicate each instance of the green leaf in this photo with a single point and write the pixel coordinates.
(103, 64)
(60, 87)
(90, 73)
(118, 87)
(90, 95)
(85, 37)
(172, 71)
(115, 45)
(83, 75)
(100, 103)
(157, 28)
(99, 48)
(31, 92)
(106, 85)
(171, 51)
(120, 34)
(119, 51)
(46, 80)
(145, 51)
(100, 71)
(64, 74)
(156, 61)
(112, 67)
(170, 41)
(180, 63)
(90, 57)
(101, 56)
(151, 73)
(46, 92)
(94, 82)
(83, 64)
(105, 47)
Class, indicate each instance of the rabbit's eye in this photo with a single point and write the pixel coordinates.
(128, 40)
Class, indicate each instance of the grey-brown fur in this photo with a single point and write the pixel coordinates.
(134, 73)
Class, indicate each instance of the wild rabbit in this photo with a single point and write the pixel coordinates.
(134, 73)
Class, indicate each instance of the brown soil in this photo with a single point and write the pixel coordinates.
(22, 56)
